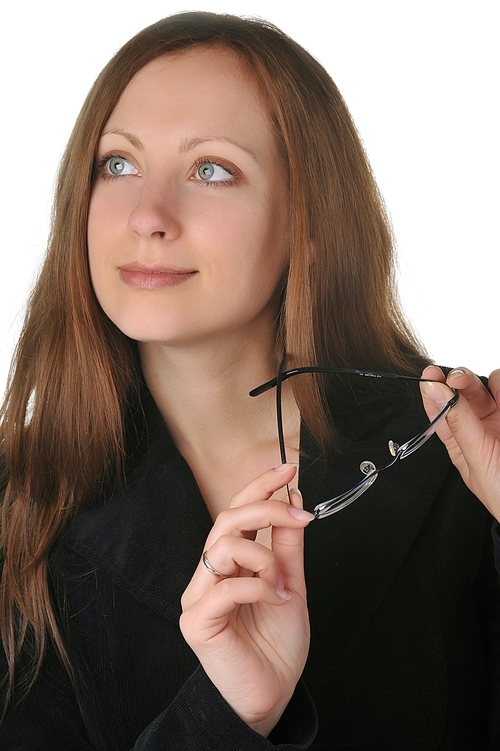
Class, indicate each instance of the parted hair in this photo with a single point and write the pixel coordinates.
(74, 373)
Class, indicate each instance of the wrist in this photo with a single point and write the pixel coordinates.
(267, 723)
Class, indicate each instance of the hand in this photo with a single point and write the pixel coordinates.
(250, 631)
(472, 429)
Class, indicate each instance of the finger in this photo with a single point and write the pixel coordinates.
(239, 523)
(263, 487)
(433, 373)
(242, 520)
(471, 444)
(288, 547)
(463, 433)
(494, 385)
(208, 616)
(465, 426)
(435, 396)
(259, 490)
(229, 556)
(472, 388)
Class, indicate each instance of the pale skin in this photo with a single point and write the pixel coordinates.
(187, 249)
(471, 432)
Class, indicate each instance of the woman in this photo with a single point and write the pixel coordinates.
(216, 217)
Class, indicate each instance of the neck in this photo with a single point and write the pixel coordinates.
(202, 392)
(220, 430)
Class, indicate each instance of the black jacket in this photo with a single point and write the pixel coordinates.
(404, 605)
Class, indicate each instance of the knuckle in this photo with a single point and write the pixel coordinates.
(184, 626)
(454, 418)
(224, 546)
(223, 519)
(221, 591)
(190, 629)
(185, 602)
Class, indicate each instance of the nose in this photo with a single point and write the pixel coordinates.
(155, 214)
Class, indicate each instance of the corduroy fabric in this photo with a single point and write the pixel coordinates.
(404, 604)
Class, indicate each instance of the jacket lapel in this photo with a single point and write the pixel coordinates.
(150, 534)
(353, 556)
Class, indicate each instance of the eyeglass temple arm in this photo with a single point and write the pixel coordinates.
(347, 371)
(279, 414)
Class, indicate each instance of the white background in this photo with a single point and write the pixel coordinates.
(420, 78)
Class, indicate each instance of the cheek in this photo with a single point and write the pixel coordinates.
(275, 243)
(255, 234)
(96, 229)
(103, 219)
(100, 234)
(106, 226)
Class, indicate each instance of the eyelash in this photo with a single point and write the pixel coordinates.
(100, 171)
(214, 183)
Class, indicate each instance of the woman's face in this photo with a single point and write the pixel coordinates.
(187, 229)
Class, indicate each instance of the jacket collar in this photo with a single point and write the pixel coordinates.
(149, 535)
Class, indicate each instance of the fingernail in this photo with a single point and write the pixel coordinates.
(283, 467)
(434, 393)
(455, 373)
(282, 594)
(296, 492)
(300, 513)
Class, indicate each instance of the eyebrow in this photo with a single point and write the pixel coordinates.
(186, 144)
(129, 136)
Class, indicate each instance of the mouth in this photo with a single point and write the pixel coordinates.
(153, 277)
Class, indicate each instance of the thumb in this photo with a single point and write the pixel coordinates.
(435, 396)
(494, 385)
(463, 426)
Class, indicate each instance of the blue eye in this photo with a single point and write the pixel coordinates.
(212, 172)
(118, 165)
(206, 171)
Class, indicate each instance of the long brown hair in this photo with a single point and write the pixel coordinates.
(74, 372)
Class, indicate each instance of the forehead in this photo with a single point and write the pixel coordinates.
(210, 86)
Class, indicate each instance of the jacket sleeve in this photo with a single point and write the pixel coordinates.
(197, 719)
(118, 652)
(200, 720)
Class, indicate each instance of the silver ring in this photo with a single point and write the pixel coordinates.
(209, 566)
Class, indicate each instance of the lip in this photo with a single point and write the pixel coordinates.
(139, 276)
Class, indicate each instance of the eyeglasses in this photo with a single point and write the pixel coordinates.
(368, 468)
